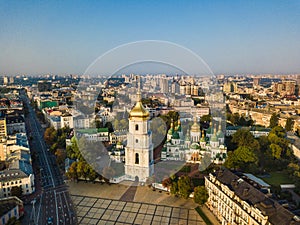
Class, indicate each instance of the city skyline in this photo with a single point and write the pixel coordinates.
(66, 37)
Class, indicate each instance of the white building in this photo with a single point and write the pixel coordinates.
(234, 201)
(10, 207)
(15, 177)
(194, 147)
(66, 120)
(139, 163)
(94, 134)
(15, 124)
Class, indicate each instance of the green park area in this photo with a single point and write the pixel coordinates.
(277, 178)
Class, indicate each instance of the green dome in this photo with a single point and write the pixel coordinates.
(119, 143)
(179, 128)
(214, 138)
(209, 129)
(195, 146)
(220, 134)
(175, 135)
(164, 149)
(171, 131)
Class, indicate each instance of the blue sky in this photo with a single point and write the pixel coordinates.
(63, 37)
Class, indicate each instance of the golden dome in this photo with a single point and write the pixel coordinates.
(139, 111)
(195, 127)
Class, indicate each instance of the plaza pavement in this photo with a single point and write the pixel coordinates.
(107, 204)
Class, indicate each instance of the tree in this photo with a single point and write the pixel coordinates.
(82, 169)
(274, 120)
(174, 185)
(243, 137)
(205, 118)
(200, 195)
(278, 131)
(92, 174)
(50, 135)
(72, 171)
(234, 119)
(241, 158)
(174, 188)
(60, 156)
(16, 191)
(184, 186)
(289, 124)
(276, 151)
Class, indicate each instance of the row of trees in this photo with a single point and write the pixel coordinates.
(274, 121)
(251, 154)
(80, 168)
(183, 187)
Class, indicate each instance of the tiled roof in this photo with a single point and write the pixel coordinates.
(276, 213)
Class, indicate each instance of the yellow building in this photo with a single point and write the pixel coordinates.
(234, 201)
(3, 132)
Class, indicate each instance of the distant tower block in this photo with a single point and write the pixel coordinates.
(5, 80)
(139, 163)
(11, 80)
(256, 81)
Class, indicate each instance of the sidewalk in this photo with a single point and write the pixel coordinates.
(210, 215)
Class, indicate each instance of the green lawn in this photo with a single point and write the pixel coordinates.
(277, 178)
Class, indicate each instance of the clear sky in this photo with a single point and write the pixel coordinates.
(64, 37)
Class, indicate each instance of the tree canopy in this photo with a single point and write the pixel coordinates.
(274, 120)
(184, 186)
(200, 195)
(244, 138)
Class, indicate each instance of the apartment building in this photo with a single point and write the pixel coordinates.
(236, 202)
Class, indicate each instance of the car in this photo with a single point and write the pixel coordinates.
(50, 220)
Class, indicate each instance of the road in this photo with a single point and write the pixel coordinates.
(52, 199)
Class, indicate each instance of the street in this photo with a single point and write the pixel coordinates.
(51, 199)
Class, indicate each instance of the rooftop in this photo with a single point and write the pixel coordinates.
(11, 174)
(7, 204)
(275, 212)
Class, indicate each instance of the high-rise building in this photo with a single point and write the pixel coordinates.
(5, 80)
(286, 87)
(139, 163)
(256, 81)
(175, 88)
(230, 87)
(11, 80)
(164, 86)
(3, 130)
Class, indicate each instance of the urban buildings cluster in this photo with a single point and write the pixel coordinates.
(119, 111)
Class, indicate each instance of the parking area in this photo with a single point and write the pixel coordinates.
(93, 210)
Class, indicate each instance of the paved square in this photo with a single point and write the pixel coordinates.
(93, 210)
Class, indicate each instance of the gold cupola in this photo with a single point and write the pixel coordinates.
(195, 127)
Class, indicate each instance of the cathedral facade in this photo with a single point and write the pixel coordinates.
(194, 146)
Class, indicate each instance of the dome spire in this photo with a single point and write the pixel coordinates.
(139, 95)
(138, 110)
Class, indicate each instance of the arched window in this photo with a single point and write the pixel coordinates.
(136, 140)
(136, 127)
(137, 158)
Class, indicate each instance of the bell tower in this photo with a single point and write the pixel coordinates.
(139, 163)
